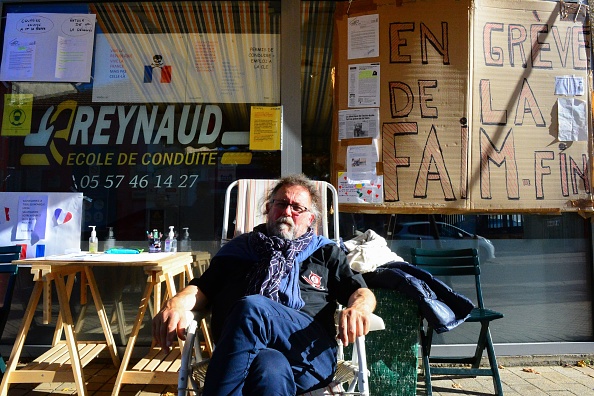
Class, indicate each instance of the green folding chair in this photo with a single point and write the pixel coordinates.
(452, 263)
(8, 273)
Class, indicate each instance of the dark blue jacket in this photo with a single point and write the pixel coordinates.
(443, 308)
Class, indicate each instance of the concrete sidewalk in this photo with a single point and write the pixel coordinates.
(553, 380)
(557, 380)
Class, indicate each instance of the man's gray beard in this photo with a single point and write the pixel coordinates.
(283, 227)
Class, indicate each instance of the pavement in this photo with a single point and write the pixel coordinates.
(555, 375)
(564, 379)
(555, 380)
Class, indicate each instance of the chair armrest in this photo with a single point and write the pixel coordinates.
(185, 370)
(377, 323)
(198, 315)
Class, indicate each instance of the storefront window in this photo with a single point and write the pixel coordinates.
(148, 157)
(152, 134)
(159, 130)
(161, 127)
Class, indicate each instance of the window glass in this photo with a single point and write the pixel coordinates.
(156, 134)
(132, 196)
(161, 129)
(534, 268)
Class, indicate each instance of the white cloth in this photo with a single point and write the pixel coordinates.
(368, 251)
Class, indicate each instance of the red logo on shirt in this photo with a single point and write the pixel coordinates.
(314, 279)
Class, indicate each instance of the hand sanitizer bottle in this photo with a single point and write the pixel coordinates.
(93, 241)
(171, 242)
(110, 241)
(185, 243)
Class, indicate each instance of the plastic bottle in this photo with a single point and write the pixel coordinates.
(93, 241)
(154, 242)
(185, 243)
(110, 241)
(171, 242)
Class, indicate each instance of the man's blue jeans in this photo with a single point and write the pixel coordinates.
(268, 349)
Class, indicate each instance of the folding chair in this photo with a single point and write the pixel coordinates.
(8, 273)
(452, 263)
(249, 198)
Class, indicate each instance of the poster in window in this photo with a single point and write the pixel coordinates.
(192, 68)
(48, 47)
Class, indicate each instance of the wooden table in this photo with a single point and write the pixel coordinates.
(65, 361)
(157, 367)
(201, 261)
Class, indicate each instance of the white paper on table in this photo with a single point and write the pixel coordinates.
(106, 257)
(572, 118)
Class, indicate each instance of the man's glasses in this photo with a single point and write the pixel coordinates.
(281, 204)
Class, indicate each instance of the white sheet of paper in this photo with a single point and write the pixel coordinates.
(364, 85)
(372, 192)
(569, 85)
(358, 123)
(363, 36)
(361, 162)
(20, 58)
(32, 217)
(48, 47)
(71, 58)
(123, 258)
(572, 117)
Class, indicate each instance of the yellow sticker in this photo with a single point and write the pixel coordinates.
(236, 158)
(16, 120)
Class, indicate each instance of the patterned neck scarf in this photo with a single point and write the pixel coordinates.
(276, 261)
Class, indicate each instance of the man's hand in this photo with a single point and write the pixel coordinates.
(354, 320)
(172, 320)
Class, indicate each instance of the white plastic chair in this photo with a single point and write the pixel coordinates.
(250, 198)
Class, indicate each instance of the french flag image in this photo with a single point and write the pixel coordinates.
(165, 74)
(62, 216)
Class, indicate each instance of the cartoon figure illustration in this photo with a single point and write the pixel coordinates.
(157, 64)
(157, 61)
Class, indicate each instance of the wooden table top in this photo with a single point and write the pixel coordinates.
(69, 262)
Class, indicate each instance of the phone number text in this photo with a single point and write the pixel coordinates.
(139, 181)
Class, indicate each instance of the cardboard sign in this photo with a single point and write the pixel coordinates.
(518, 160)
(473, 128)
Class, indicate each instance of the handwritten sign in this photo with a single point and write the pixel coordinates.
(48, 47)
(491, 142)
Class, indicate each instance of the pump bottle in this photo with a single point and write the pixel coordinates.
(171, 242)
(93, 241)
(185, 243)
(110, 241)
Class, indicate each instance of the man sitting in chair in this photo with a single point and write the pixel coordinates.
(273, 296)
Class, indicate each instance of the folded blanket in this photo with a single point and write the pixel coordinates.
(368, 251)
